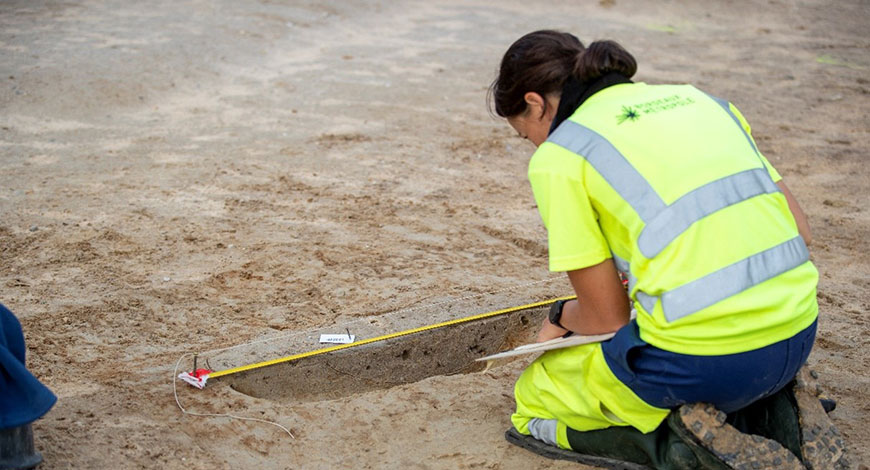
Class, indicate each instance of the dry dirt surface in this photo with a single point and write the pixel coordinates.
(181, 176)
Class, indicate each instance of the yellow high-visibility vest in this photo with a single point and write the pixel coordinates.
(668, 182)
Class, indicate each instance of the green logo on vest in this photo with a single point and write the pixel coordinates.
(628, 114)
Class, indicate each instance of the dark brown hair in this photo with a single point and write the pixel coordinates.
(541, 62)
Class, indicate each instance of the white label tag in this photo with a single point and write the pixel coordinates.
(337, 339)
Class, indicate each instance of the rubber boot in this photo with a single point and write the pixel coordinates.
(796, 418)
(16, 449)
(774, 417)
(718, 445)
(617, 448)
(659, 449)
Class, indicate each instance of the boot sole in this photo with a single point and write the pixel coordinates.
(705, 426)
(822, 444)
(551, 452)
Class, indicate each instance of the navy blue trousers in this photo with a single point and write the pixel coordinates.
(729, 382)
(23, 398)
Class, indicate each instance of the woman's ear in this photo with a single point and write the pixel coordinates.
(536, 105)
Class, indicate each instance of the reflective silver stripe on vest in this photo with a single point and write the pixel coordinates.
(727, 107)
(664, 223)
(625, 268)
(611, 165)
(648, 302)
(699, 203)
(733, 279)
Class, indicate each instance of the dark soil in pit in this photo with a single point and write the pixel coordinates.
(384, 364)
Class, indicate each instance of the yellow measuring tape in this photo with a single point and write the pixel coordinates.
(339, 347)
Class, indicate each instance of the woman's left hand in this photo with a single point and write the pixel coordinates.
(550, 331)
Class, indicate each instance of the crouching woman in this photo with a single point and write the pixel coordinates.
(664, 185)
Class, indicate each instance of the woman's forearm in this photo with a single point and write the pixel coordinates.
(602, 305)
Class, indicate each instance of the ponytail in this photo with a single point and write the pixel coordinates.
(601, 58)
(543, 61)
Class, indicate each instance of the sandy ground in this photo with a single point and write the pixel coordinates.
(188, 175)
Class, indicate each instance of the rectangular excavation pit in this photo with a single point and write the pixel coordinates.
(383, 364)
